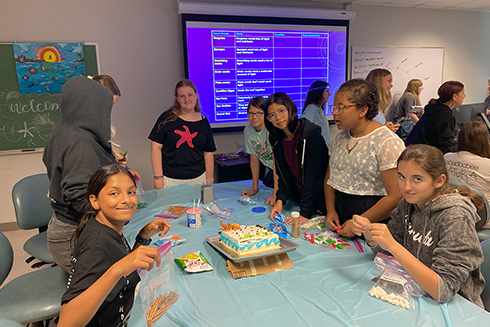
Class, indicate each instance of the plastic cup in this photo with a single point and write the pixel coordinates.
(194, 218)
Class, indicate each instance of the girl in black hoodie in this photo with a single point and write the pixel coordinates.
(300, 156)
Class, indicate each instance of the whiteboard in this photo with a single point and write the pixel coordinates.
(404, 64)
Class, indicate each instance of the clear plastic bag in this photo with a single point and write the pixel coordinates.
(140, 193)
(317, 224)
(218, 211)
(158, 289)
(393, 284)
(392, 288)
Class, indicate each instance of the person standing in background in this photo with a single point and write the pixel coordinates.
(314, 107)
(405, 107)
(383, 80)
(182, 143)
(79, 145)
(437, 125)
(258, 147)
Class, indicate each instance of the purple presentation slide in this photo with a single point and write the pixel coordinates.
(230, 66)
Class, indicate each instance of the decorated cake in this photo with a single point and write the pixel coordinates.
(240, 241)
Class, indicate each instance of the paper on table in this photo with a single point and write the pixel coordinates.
(258, 266)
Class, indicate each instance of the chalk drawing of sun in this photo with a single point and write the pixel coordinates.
(48, 53)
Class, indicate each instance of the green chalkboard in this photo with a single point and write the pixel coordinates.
(26, 120)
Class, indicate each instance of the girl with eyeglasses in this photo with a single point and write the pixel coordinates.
(258, 147)
(361, 175)
(300, 156)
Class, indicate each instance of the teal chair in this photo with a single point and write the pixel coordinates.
(10, 323)
(485, 270)
(33, 297)
(484, 213)
(33, 210)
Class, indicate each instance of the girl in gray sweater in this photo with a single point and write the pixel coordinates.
(432, 231)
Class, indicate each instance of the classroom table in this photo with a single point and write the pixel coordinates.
(326, 287)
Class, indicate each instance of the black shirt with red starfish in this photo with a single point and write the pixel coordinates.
(184, 144)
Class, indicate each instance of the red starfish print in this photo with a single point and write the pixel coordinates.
(186, 136)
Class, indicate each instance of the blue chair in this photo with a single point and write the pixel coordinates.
(484, 213)
(33, 297)
(485, 270)
(33, 210)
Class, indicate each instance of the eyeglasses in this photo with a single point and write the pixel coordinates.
(257, 114)
(273, 116)
(340, 107)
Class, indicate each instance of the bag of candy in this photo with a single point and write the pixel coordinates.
(316, 223)
(247, 200)
(158, 289)
(393, 284)
(194, 262)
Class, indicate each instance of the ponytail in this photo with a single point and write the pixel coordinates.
(464, 190)
(83, 222)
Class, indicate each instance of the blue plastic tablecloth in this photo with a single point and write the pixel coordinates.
(326, 287)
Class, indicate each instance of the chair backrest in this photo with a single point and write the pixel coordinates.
(485, 270)
(31, 204)
(484, 212)
(6, 257)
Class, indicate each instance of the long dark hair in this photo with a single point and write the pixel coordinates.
(95, 185)
(447, 90)
(315, 95)
(431, 160)
(281, 98)
(473, 137)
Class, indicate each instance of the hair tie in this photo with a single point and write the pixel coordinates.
(455, 191)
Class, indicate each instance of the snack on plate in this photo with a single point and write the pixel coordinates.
(194, 262)
(240, 241)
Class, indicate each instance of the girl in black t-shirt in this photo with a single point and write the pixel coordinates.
(182, 143)
(103, 278)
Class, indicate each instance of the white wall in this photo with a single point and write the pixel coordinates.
(140, 45)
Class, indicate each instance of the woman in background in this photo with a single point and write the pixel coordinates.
(361, 174)
(471, 164)
(405, 107)
(182, 143)
(300, 156)
(409, 99)
(437, 125)
(314, 107)
(383, 80)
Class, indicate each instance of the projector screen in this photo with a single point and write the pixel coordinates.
(231, 62)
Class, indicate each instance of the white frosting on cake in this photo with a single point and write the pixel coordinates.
(249, 240)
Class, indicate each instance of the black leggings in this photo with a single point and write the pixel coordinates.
(348, 205)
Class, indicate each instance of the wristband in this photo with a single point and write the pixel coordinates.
(157, 177)
(209, 179)
(142, 241)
